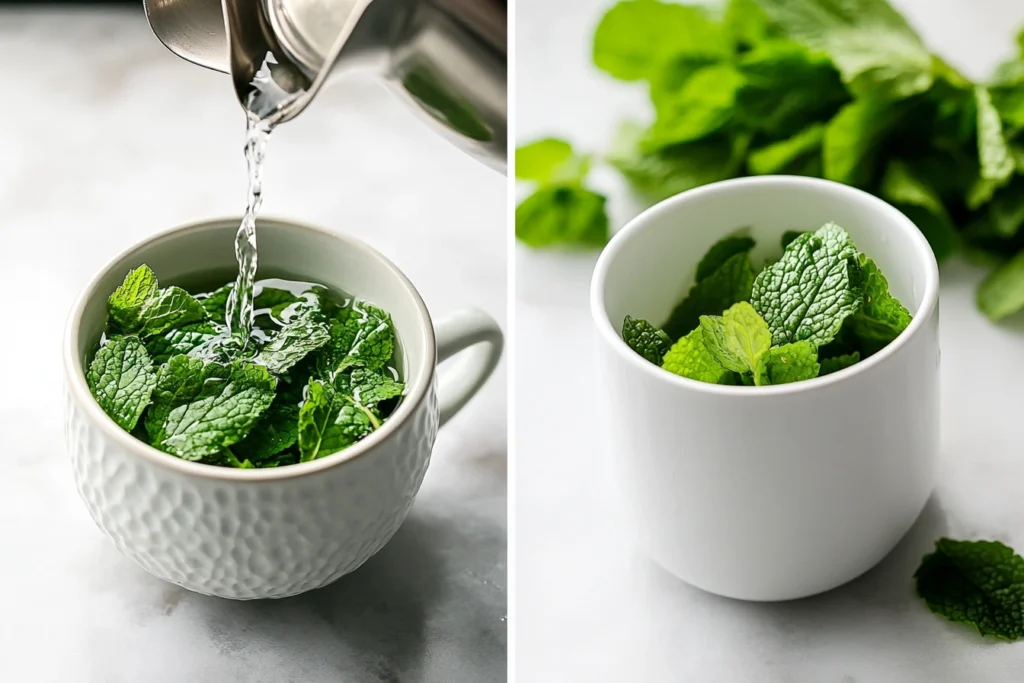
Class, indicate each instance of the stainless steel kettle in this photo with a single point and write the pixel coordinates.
(447, 58)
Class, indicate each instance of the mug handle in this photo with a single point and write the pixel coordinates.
(457, 332)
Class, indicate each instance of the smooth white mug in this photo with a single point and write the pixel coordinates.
(269, 533)
(768, 493)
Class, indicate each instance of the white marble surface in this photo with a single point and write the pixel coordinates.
(105, 137)
(588, 606)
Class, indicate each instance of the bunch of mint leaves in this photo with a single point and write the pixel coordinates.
(312, 380)
(844, 91)
(820, 308)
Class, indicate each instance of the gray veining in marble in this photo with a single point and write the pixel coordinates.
(589, 607)
(105, 137)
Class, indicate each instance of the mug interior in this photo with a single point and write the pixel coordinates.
(285, 250)
(650, 265)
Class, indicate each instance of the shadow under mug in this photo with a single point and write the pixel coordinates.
(768, 493)
(269, 533)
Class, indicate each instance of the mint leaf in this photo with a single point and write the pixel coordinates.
(721, 251)
(746, 24)
(789, 236)
(296, 339)
(837, 363)
(738, 338)
(877, 52)
(980, 583)
(636, 37)
(808, 293)
(787, 363)
(200, 408)
(277, 430)
(371, 388)
(688, 357)
(730, 284)
(171, 307)
(802, 152)
(550, 160)
(178, 341)
(562, 214)
(331, 419)
(646, 339)
(701, 107)
(361, 336)
(1002, 292)
(993, 152)
(215, 303)
(126, 303)
(913, 195)
(853, 139)
(1007, 210)
(121, 379)
(881, 317)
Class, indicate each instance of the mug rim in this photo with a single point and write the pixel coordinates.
(636, 226)
(74, 368)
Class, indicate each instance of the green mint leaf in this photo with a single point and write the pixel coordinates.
(277, 430)
(646, 339)
(182, 340)
(562, 214)
(215, 303)
(787, 363)
(993, 151)
(876, 51)
(371, 388)
(550, 161)
(798, 153)
(913, 195)
(688, 357)
(360, 336)
(881, 317)
(171, 307)
(837, 363)
(721, 251)
(728, 285)
(1002, 292)
(296, 339)
(812, 289)
(701, 107)
(1007, 210)
(787, 88)
(636, 37)
(1009, 102)
(330, 419)
(854, 137)
(746, 24)
(980, 583)
(126, 304)
(121, 379)
(200, 408)
(738, 338)
(789, 236)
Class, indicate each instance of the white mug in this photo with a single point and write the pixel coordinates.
(269, 533)
(768, 493)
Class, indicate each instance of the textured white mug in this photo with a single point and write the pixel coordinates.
(269, 533)
(768, 493)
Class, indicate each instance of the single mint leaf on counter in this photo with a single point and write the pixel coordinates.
(881, 317)
(788, 363)
(721, 251)
(798, 153)
(738, 338)
(837, 363)
(728, 285)
(877, 52)
(331, 419)
(361, 336)
(216, 303)
(688, 357)
(993, 151)
(912, 194)
(171, 307)
(178, 341)
(277, 430)
(1002, 292)
(296, 339)
(371, 388)
(550, 160)
(646, 339)
(564, 214)
(125, 305)
(812, 289)
(635, 38)
(200, 408)
(980, 583)
(121, 378)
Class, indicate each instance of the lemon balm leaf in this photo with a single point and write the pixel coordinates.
(980, 583)
(121, 378)
(646, 339)
(738, 338)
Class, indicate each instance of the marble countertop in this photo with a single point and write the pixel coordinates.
(106, 137)
(588, 606)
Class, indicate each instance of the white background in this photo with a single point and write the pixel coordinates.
(589, 608)
(105, 138)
